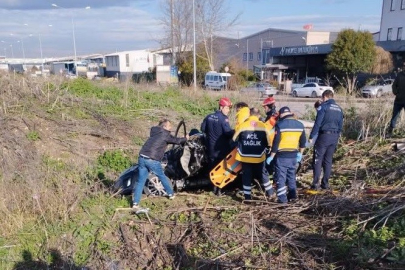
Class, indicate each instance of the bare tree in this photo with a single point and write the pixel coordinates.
(211, 19)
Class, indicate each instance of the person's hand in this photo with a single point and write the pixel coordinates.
(268, 160)
(299, 157)
(187, 137)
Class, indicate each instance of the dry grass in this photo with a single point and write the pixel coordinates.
(49, 190)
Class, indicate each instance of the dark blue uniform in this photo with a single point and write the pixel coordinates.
(328, 126)
(218, 134)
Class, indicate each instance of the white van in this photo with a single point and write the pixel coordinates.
(215, 80)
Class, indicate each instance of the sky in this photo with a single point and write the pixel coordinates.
(28, 27)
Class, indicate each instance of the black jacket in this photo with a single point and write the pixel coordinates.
(398, 88)
(218, 135)
(156, 144)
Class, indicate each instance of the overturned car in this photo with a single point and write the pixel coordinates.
(185, 165)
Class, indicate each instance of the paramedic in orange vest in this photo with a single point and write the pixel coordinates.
(253, 139)
(269, 105)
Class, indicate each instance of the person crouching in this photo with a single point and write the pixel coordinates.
(252, 139)
(288, 145)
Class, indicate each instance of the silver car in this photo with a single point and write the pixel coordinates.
(263, 89)
(377, 88)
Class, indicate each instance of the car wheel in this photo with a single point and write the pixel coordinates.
(313, 94)
(379, 94)
(295, 94)
(153, 186)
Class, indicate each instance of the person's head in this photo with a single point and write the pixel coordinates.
(317, 104)
(165, 124)
(225, 105)
(284, 111)
(254, 112)
(269, 104)
(327, 94)
(240, 105)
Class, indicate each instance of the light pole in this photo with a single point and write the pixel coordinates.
(74, 36)
(247, 58)
(194, 53)
(11, 46)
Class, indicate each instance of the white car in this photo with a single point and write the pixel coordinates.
(311, 90)
(264, 89)
(377, 88)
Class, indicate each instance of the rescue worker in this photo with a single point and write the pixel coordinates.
(288, 146)
(252, 139)
(218, 134)
(327, 127)
(269, 105)
(150, 156)
(242, 113)
(398, 89)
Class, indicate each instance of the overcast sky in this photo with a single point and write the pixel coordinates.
(117, 25)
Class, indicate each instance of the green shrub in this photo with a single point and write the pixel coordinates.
(115, 160)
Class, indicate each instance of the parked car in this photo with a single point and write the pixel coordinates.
(263, 89)
(306, 81)
(311, 90)
(377, 88)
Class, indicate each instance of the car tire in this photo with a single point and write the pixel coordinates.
(314, 95)
(153, 187)
(294, 94)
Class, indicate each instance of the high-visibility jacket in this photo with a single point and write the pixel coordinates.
(253, 138)
(270, 122)
(241, 116)
(290, 136)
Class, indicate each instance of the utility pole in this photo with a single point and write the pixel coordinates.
(247, 58)
(172, 31)
(194, 52)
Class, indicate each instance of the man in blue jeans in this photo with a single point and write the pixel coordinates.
(150, 156)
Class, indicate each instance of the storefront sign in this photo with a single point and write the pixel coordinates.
(299, 50)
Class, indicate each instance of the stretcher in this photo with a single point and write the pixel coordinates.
(226, 171)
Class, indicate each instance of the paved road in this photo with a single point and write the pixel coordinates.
(302, 106)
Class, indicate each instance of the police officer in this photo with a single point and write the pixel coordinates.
(252, 138)
(218, 134)
(288, 145)
(328, 126)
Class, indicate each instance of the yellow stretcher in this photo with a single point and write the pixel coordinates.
(226, 171)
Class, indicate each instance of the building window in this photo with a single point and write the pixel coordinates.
(245, 57)
(399, 34)
(127, 59)
(250, 56)
(389, 34)
(393, 2)
(403, 4)
(259, 56)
